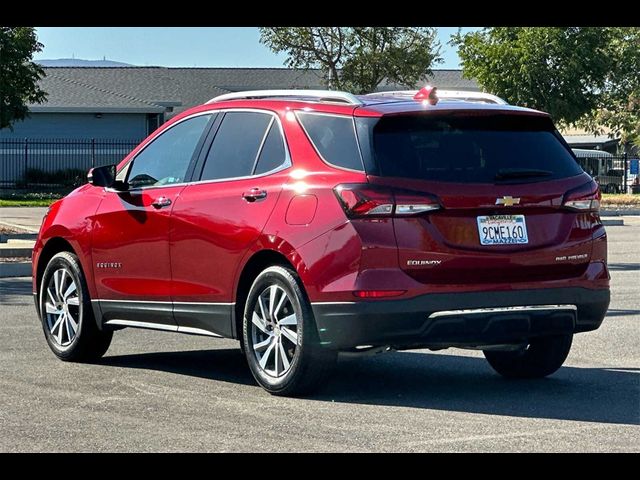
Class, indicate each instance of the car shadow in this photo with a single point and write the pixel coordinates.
(13, 291)
(227, 365)
(437, 382)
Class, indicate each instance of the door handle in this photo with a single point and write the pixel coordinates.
(161, 202)
(254, 195)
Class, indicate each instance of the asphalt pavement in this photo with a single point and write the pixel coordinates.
(157, 391)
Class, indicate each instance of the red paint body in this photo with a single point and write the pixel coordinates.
(196, 250)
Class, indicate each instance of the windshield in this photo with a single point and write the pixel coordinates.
(468, 149)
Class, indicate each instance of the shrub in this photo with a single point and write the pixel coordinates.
(69, 177)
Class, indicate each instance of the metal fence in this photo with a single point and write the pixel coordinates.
(61, 164)
(50, 164)
(612, 172)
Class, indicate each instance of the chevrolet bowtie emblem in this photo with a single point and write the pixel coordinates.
(508, 201)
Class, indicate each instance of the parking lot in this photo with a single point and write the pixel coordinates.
(155, 391)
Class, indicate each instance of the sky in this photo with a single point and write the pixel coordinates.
(181, 46)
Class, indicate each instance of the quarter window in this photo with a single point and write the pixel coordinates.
(166, 159)
(334, 138)
(272, 154)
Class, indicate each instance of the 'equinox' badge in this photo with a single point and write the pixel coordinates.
(108, 265)
(415, 263)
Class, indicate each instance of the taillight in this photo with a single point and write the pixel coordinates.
(585, 198)
(408, 203)
(366, 200)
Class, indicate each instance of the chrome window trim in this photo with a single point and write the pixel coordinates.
(355, 136)
(519, 308)
(286, 164)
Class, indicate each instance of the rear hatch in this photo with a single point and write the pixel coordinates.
(515, 205)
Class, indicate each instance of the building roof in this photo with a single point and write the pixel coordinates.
(90, 93)
(152, 89)
(590, 141)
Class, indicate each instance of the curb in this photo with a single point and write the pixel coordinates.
(22, 269)
(619, 213)
(4, 237)
(612, 222)
(24, 252)
(20, 227)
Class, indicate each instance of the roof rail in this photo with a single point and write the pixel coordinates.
(447, 95)
(319, 95)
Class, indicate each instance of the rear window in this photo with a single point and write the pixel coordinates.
(469, 149)
(334, 138)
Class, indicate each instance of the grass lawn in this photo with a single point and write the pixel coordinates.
(620, 200)
(15, 202)
(29, 199)
(609, 200)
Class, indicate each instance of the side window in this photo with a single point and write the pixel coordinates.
(272, 154)
(166, 159)
(334, 138)
(236, 144)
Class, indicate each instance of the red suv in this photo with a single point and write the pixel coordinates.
(307, 223)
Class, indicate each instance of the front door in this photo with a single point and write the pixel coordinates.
(217, 220)
(130, 242)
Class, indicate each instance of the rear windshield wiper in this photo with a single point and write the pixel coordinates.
(507, 173)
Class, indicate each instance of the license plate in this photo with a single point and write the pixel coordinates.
(502, 230)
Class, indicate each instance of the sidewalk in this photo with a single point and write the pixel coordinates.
(26, 219)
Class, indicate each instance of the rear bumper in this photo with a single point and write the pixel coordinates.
(458, 319)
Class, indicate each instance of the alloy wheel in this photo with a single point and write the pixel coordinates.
(62, 308)
(274, 331)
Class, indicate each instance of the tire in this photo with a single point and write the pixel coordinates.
(67, 305)
(295, 362)
(543, 356)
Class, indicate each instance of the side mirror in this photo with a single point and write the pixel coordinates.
(106, 177)
(102, 176)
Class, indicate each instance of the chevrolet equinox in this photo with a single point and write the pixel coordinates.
(308, 223)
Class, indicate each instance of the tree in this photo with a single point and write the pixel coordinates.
(19, 76)
(358, 59)
(620, 104)
(586, 76)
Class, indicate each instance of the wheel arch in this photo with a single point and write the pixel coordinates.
(53, 246)
(255, 264)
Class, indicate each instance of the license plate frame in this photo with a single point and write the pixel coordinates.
(502, 230)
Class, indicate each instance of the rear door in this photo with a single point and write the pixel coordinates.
(501, 180)
(218, 218)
